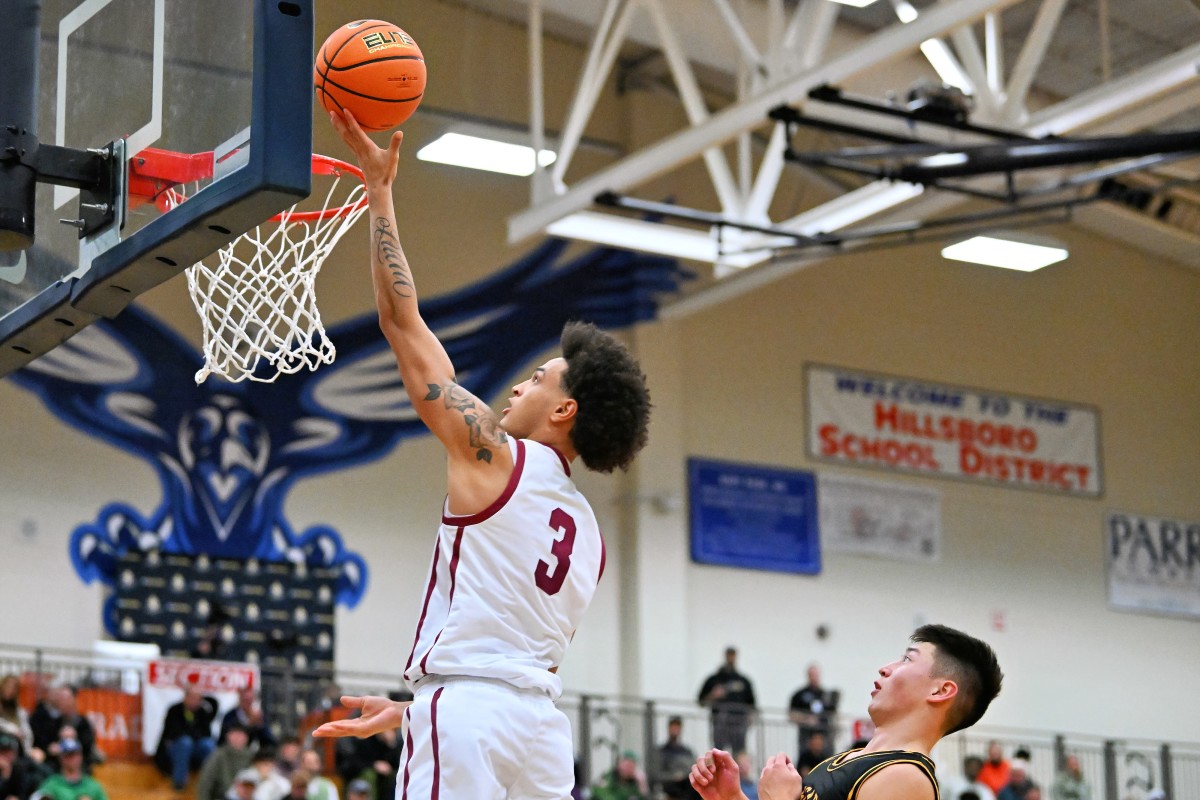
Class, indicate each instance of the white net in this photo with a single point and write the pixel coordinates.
(256, 297)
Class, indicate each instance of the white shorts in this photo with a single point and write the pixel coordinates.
(479, 739)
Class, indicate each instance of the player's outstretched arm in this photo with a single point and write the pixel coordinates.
(780, 780)
(467, 427)
(378, 715)
(716, 776)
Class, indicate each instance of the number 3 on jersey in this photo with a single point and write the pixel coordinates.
(551, 582)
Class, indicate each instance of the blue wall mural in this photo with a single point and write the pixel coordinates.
(227, 455)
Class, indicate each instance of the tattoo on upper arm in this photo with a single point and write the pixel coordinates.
(482, 425)
(387, 249)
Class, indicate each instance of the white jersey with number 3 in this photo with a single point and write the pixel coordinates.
(509, 585)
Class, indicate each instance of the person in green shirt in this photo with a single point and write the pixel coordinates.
(625, 781)
(319, 787)
(72, 783)
(222, 767)
(1070, 784)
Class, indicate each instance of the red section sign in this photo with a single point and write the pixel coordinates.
(208, 676)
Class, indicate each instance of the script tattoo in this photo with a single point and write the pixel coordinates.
(482, 426)
(387, 248)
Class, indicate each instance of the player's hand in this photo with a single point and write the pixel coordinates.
(716, 776)
(780, 780)
(378, 164)
(378, 715)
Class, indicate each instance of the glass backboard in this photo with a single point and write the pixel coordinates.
(217, 94)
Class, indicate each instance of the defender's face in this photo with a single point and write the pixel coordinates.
(905, 683)
(534, 399)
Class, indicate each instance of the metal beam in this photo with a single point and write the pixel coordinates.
(693, 105)
(1132, 91)
(686, 145)
(1036, 44)
(1150, 90)
(601, 56)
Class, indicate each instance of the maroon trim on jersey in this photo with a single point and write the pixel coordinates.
(437, 763)
(450, 601)
(603, 556)
(513, 480)
(566, 464)
(408, 748)
(437, 552)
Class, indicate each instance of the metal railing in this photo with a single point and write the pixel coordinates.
(295, 701)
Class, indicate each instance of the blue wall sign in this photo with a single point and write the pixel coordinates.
(753, 517)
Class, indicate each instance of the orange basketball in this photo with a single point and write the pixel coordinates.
(372, 68)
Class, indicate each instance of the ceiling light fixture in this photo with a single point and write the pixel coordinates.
(476, 152)
(650, 237)
(1005, 252)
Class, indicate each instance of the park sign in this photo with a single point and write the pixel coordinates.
(1153, 564)
(915, 426)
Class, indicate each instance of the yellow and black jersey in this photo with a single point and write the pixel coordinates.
(841, 777)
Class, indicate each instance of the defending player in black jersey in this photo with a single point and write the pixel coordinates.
(943, 683)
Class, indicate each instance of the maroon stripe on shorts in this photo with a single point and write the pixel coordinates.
(408, 748)
(437, 763)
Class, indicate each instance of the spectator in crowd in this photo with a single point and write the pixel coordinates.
(730, 695)
(674, 763)
(219, 771)
(813, 750)
(625, 781)
(1018, 781)
(319, 787)
(72, 783)
(249, 714)
(50, 720)
(358, 789)
(14, 718)
(1032, 792)
(994, 772)
(244, 785)
(812, 708)
(299, 785)
(749, 784)
(1070, 785)
(380, 755)
(187, 736)
(288, 760)
(957, 787)
(19, 776)
(271, 785)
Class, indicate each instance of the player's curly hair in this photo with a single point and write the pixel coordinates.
(613, 401)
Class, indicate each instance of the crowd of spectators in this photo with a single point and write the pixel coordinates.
(1001, 778)
(50, 752)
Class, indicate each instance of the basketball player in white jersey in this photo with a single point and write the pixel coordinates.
(518, 554)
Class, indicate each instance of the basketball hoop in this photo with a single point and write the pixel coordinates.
(256, 296)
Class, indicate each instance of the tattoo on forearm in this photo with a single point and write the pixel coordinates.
(482, 426)
(387, 250)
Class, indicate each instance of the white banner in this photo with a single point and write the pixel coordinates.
(932, 429)
(1153, 564)
(889, 520)
(163, 684)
